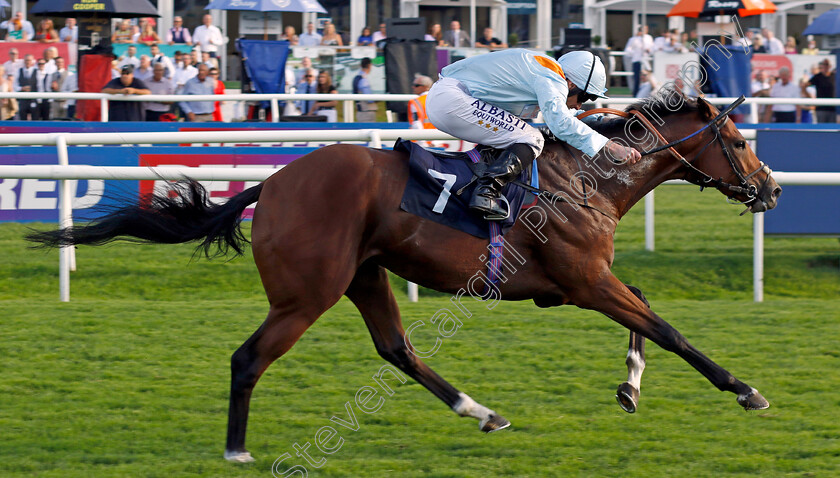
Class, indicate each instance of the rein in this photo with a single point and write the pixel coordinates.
(749, 190)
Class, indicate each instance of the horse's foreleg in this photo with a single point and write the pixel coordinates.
(610, 297)
(628, 392)
(371, 292)
(281, 329)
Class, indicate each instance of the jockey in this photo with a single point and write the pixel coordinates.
(484, 99)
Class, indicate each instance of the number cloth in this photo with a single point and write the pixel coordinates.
(431, 191)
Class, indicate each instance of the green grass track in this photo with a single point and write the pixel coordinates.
(130, 378)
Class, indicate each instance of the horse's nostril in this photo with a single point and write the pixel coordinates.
(777, 192)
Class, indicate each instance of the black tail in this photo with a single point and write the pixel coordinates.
(184, 215)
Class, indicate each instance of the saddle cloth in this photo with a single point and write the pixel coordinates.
(433, 182)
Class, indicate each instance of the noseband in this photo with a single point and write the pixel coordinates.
(706, 180)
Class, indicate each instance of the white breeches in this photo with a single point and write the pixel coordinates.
(452, 110)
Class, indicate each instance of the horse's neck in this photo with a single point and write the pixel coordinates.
(618, 187)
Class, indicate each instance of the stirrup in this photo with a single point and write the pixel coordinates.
(494, 216)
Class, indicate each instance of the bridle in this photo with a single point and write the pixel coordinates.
(705, 180)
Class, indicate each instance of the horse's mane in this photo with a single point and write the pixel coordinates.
(658, 104)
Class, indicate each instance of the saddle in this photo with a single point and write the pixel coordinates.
(441, 183)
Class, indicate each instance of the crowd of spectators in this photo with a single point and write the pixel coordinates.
(196, 70)
(819, 84)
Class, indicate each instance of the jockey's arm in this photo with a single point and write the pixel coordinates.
(562, 122)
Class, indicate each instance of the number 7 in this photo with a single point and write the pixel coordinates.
(440, 205)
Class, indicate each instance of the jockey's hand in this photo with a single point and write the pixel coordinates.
(622, 154)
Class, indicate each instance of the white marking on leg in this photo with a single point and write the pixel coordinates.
(467, 407)
(635, 367)
(238, 456)
(744, 396)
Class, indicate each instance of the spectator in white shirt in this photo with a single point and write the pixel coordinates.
(135, 33)
(50, 54)
(130, 58)
(70, 32)
(208, 36)
(183, 72)
(158, 57)
(638, 48)
(774, 45)
(310, 37)
(380, 34)
(760, 84)
(14, 64)
(784, 88)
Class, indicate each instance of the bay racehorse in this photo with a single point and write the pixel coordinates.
(329, 224)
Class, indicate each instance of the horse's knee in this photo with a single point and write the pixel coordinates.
(242, 372)
(399, 356)
(638, 293)
(669, 338)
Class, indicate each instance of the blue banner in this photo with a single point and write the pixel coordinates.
(266, 63)
(732, 77)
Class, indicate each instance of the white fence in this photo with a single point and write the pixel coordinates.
(349, 99)
(273, 99)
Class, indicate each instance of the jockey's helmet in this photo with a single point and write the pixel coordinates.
(586, 71)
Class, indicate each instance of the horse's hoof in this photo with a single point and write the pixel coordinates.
(753, 401)
(238, 456)
(628, 397)
(493, 423)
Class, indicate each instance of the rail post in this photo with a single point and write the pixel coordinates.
(103, 110)
(275, 111)
(349, 110)
(65, 219)
(375, 139)
(758, 257)
(649, 224)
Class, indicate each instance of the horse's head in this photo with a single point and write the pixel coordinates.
(729, 164)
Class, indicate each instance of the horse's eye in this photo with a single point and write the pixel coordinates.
(740, 144)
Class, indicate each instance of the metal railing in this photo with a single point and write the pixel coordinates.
(348, 100)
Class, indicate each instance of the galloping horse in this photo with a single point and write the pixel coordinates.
(329, 224)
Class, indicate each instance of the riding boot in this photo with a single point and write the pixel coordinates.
(487, 197)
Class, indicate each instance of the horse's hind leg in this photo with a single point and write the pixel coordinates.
(628, 392)
(281, 329)
(371, 293)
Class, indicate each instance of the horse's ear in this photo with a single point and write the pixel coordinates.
(705, 109)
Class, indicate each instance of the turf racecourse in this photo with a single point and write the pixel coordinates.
(131, 377)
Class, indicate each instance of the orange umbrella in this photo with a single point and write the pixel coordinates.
(743, 8)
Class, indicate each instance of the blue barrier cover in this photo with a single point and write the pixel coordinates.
(24, 200)
(803, 209)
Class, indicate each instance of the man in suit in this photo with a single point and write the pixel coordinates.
(309, 85)
(43, 84)
(26, 80)
(456, 37)
(60, 78)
